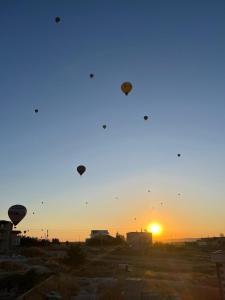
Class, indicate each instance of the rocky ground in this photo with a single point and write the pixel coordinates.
(110, 274)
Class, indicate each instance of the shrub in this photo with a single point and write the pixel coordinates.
(33, 252)
(75, 256)
(55, 241)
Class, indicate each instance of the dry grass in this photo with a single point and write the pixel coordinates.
(115, 293)
(11, 266)
(33, 252)
(188, 274)
(64, 284)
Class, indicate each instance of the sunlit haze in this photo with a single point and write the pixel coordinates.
(173, 53)
(155, 228)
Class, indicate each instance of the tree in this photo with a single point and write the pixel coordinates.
(120, 239)
(55, 241)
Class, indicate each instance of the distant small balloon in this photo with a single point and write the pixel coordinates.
(104, 126)
(179, 155)
(126, 87)
(33, 213)
(36, 111)
(57, 19)
(91, 75)
(145, 118)
(25, 232)
(149, 191)
(81, 169)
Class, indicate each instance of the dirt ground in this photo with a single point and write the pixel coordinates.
(187, 274)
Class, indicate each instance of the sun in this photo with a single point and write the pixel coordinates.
(155, 228)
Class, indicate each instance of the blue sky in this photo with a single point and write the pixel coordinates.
(173, 53)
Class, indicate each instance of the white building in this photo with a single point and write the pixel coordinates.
(139, 240)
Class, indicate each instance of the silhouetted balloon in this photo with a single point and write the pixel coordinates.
(25, 232)
(42, 202)
(16, 213)
(179, 155)
(81, 169)
(36, 111)
(149, 191)
(126, 87)
(91, 75)
(57, 19)
(33, 212)
(145, 118)
(104, 126)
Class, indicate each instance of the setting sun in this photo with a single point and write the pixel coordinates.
(155, 228)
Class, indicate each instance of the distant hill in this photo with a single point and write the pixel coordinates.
(181, 240)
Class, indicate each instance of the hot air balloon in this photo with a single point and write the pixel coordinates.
(81, 169)
(91, 75)
(16, 213)
(126, 87)
(25, 232)
(104, 126)
(149, 191)
(36, 111)
(57, 19)
(145, 118)
(178, 154)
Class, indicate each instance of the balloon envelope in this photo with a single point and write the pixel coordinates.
(81, 169)
(57, 19)
(126, 87)
(145, 118)
(16, 213)
(104, 126)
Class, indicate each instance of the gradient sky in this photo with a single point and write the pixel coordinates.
(173, 52)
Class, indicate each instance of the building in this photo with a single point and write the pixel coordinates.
(214, 242)
(139, 240)
(218, 258)
(8, 237)
(98, 233)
